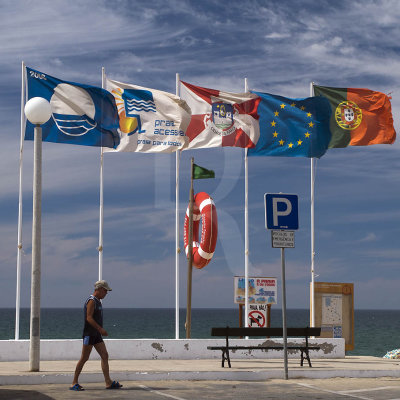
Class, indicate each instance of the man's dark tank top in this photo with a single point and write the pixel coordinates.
(88, 329)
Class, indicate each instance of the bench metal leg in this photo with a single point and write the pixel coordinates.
(228, 358)
(305, 355)
(225, 356)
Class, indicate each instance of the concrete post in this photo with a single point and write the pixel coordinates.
(34, 349)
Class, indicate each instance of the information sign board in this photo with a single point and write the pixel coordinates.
(334, 310)
(282, 239)
(261, 290)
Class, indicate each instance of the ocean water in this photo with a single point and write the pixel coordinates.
(375, 331)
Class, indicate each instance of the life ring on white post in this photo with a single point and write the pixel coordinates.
(204, 209)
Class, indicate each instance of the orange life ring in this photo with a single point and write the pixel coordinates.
(203, 208)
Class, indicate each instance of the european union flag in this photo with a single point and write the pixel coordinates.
(292, 127)
(81, 114)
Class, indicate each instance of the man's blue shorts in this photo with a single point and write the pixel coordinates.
(92, 340)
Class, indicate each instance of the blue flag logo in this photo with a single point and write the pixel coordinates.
(138, 101)
(73, 119)
(81, 114)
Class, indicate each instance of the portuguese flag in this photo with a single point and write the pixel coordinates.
(360, 117)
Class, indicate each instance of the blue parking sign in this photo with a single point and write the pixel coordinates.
(281, 211)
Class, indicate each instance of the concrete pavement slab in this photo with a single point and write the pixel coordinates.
(13, 373)
(272, 389)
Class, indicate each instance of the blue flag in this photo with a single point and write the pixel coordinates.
(81, 114)
(292, 127)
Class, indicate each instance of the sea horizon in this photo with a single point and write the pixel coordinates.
(193, 308)
(375, 330)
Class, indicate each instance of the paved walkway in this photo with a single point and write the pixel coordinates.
(270, 389)
(17, 373)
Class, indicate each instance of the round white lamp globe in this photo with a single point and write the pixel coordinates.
(38, 110)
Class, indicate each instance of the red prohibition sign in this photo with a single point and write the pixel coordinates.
(258, 318)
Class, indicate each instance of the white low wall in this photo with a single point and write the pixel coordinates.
(163, 349)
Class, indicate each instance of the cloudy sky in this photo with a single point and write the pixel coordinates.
(280, 46)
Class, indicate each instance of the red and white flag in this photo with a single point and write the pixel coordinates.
(221, 118)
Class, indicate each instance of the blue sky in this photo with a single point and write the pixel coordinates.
(280, 46)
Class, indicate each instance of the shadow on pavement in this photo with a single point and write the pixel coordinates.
(11, 394)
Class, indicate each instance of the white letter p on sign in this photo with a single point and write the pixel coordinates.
(282, 213)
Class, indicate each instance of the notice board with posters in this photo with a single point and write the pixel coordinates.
(334, 310)
(262, 290)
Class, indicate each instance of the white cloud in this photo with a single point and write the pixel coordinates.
(385, 254)
(276, 35)
(370, 237)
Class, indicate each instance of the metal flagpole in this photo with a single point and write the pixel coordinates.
(101, 217)
(178, 250)
(19, 240)
(285, 358)
(312, 299)
(100, 248)
(246, 231)
(190, 258)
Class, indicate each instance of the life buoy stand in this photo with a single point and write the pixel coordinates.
(204, 209)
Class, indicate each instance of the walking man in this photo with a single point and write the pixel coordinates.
(92, 336)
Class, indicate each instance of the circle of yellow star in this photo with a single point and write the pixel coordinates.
(290, 145)
(282, 106)
(307, 134)
(281, 142)
(309, 115)
(273, 123)
(276, 113)
(293, 105)
(299, 142)
(275, 134)
(310, 124)
(302, 108)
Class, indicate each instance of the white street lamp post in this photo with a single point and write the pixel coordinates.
(38, 112)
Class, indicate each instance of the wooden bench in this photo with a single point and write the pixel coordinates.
(265, 332)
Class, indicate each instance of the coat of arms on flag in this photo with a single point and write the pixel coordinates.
(221, 118)
(348, 115)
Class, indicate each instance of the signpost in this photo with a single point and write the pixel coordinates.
(282, 217)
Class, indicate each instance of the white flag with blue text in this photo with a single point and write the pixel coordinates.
(150, 121)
